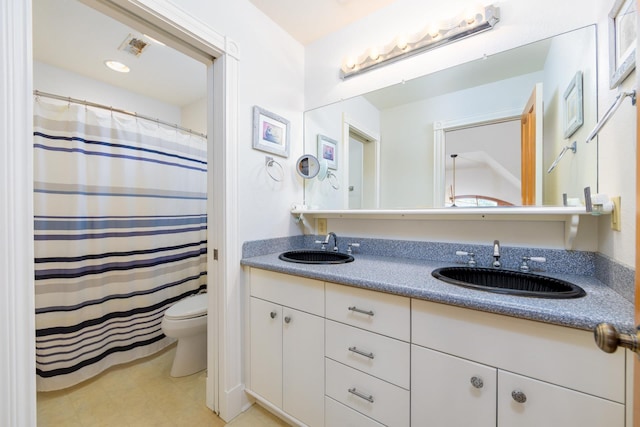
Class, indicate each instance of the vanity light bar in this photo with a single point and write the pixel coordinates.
(475, 21)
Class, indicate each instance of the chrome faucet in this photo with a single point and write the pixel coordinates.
(496, 254)
(335, 240)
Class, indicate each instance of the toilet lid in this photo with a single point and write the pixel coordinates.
(193, 306)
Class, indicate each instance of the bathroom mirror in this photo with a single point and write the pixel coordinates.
(395, 144)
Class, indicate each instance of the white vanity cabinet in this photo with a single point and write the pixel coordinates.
(367, 356)
(325, 354)
(287, 344)
(533, 374)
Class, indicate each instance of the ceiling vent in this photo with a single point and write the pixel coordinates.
(133, 45)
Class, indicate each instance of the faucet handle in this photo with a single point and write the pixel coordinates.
(471, 262)
(525, 262)
(320, 242)
(352, 245)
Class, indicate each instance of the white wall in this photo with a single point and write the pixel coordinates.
(271, 75)
(575, 171)
(194, 116)
(616, 150)
(65, 83)
(522, 21)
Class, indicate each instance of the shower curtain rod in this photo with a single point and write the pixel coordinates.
(117, 110)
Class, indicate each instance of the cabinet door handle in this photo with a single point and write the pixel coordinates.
(360, 352)
(287, 319)
(368, 398)
(273, 314)
(519, 396)
(477, 382)
(359, 310)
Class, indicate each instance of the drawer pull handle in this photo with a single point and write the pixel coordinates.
(359, 310)
(368, 398)
(519, 396)
(477, 382)
(287, 319)
(273, 314)
(360, 352)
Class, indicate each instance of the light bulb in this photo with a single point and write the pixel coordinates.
(374, 53)
(350, 63)
(433, 30)
(471, 14)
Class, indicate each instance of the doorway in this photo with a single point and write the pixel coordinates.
(487, 164)
(362, 152)
(188, 35)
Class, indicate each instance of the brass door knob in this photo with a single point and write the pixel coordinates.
(608, 339)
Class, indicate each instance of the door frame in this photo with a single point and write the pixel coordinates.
(441, 127)
(17, 376)
(349, 125)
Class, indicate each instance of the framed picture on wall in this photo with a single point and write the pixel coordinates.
(270, 132)
(573, 107)
(328, 151)
(622, 41)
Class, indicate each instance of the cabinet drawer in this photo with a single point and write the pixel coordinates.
(377, 399)
(554, 354)
(385, 314)
(552, 406)
(374, 354)
(291, 291)
(336, 414)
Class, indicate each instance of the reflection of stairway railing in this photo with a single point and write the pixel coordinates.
(479, 200)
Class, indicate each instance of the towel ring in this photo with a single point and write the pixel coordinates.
(269, 165)
(333, 180)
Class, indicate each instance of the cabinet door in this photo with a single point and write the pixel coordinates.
(266, 350)
(543, 404)
(449, 391)
(303, 362)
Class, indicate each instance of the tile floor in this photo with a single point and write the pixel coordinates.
(140, 394)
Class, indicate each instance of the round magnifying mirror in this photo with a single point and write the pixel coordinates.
(307, 166)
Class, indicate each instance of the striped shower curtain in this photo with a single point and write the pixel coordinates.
(120, 235)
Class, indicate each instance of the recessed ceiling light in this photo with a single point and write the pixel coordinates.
(117, 66)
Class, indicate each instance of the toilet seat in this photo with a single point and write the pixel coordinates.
(188, 308)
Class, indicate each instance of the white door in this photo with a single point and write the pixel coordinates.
(303, 361)
(448, 391)
(356, 183)
(525, 402)
(266, 350)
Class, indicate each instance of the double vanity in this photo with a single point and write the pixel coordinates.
(380, 341)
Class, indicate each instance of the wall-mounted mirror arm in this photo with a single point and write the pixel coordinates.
(614, 107)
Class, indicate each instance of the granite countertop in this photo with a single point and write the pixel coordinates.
(412, 278)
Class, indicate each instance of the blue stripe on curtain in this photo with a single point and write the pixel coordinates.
(120, 235)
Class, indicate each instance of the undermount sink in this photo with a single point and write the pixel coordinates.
(310, 256)
(508, 282)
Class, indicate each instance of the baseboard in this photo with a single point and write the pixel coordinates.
(233, 402)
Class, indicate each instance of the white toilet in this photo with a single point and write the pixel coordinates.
(186, 321)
